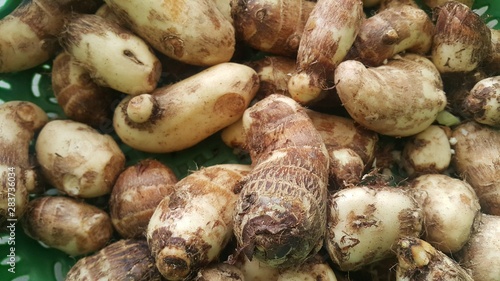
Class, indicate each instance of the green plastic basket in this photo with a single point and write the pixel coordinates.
(36, 262)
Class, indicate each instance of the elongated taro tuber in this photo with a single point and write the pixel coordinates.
(77, 159)
(19, 121)
(391, 31)
(192, 31)
(136, 194)
(79, 96)
(63, 223)
(328, 35)
(125, 259)
(281, 212)
(476, 160)
(418, 260)
(271, 26)
(189, 228)
(364, 223)
(451, 210)
(401, 98)
(178, 116)
(274, 73)
(462, 40)
(29, 33)
(114, 56)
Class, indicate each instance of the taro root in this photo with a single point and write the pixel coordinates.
(451, 211)
(29, 33)
(483, 102)
(428, 152)
(194, 32)
(189, 229)
(364, 223)
(400, 98)
(476, 160)
(271, 26)
(74, 227)
(280, 218)
(328, 35)
(220, 272)
(462, 40)
(481, 255)
(19, 121)
(136, 194)
(114, 56)
(392, 31)
(418, 260)
(125, 259)
(77, 159)
(178, 116)
(80, 98)
(274, 73)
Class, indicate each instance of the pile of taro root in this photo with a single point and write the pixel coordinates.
(371, 130)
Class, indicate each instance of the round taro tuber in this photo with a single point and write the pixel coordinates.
(135, 195)
(483, 101)
(180, 115)
(400, 98)
(189, 228)
(451, 211)
(124, 259)
(63, 223)
(114, 56)
(365, 222)
(77, 159)
(280, 217)
(428, 152)
(19, 121)
(476, 160)
(191, 31)
(271, 26)
(462, 40)
(29, 33)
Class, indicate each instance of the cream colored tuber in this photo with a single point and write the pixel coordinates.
(114, 56)
(364, 223)
(477, 151)
(483, 102)
(19, 121)
(418, 260)
(189, 228)
(428, 152)
(328, 35)
(191, 31)
(451, 210)
(29, 33)
(178, 116)
(77, 159)
(400, 98)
